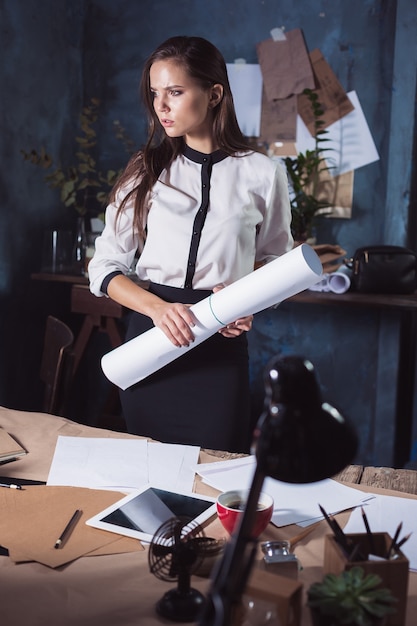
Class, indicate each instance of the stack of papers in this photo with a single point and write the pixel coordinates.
(122, 464)
(9, 448)
(293, 503)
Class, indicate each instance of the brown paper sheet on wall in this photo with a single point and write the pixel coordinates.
(33, 518)
(338, 191)
(331, 95)
(278, 119)
(285, 66)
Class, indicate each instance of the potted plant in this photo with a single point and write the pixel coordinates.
(352, 598)
(82, 185)
(304, 176)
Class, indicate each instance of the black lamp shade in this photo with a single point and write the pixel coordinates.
(300, 439)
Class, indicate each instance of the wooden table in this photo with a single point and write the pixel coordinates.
(101, 314)
(49, 277)
(401, 480)
(117, 589)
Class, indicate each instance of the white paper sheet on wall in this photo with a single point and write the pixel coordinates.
(349, 140)
(269, 285)
(246, 85)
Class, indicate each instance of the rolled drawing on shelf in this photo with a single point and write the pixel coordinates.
(267, 286)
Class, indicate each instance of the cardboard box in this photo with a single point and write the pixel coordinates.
(284, 594)
(393, 572)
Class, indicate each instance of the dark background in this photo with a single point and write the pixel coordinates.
(56, 54)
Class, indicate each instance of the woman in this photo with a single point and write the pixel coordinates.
(202, 208)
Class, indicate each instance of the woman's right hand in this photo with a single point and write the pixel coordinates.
(176, 320)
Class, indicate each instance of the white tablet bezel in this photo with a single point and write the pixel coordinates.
(97, 521)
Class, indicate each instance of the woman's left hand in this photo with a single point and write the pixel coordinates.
(236, 328)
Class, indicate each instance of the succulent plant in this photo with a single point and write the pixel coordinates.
(351, 597)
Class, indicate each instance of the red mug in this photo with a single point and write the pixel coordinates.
(231, 504)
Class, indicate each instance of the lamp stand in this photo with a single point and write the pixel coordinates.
(231, 575)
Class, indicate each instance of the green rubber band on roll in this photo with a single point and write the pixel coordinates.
(213, 313)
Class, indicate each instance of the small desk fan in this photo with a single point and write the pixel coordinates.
(177, 549)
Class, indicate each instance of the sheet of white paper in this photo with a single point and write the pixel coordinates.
(246, 84)
(384, 513)
(349, 140)
(293, 503)
(171, 466)
(112, 463)
(287, 275)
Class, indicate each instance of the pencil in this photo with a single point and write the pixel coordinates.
(403, 540)
(368, 531)
(301, 535)
(68, 529)
(337, 531)
(394, 540)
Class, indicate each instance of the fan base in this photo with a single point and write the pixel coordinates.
(180, 607)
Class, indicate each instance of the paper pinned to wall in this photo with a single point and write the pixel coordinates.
(279, 120)
(349, 141)
(331, 95)
(246, 85)
(272, 283)
(285, 65)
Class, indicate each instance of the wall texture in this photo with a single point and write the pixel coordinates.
(58, 53)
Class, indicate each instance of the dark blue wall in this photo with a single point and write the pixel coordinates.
(58, 53)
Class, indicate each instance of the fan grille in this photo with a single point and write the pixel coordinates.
(175, 548)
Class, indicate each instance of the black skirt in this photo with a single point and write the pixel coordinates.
(202, 398)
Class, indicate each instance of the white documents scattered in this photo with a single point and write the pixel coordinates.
(122, 464)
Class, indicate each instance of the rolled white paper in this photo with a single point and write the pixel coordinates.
(269, 285)
(339, 282)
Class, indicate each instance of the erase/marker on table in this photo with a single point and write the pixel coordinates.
(11, 486)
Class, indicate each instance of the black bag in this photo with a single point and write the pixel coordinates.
(383, 269)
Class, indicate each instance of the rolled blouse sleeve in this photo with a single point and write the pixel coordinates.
(115, 248)
(274, 236)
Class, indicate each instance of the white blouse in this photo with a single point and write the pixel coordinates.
(210, 218)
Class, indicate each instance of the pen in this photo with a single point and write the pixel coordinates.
(11, 486)
(68, 529)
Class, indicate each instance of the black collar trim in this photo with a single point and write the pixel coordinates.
(201, 157)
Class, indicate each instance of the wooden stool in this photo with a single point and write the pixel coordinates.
(100, 314)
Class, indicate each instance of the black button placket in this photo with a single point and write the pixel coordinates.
(200, 218)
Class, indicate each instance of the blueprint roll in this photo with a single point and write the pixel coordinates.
(267, 286)
(339, 281)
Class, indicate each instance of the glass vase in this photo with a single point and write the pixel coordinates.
(80, 248)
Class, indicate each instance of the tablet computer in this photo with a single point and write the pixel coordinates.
(142, 512)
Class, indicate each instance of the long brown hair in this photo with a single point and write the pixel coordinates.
(204, 63)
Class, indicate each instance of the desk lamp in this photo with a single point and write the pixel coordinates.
(298, 439)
